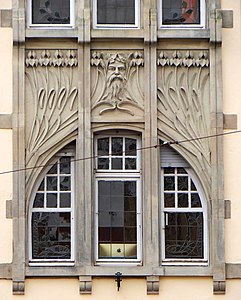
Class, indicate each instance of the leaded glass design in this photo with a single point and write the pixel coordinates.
(117, 153)
(183, 215)
(52, 217)
(120, 12)
(184, 12)
(117, 219)
(51, 12)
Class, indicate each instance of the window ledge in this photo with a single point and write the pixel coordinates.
(51, 33)
(198, 33)
(117, 33)
(61, 271)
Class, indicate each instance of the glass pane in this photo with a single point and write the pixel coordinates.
(117, 146)
(103, 163)
(41, 186)
(64, 165)
(184, 235)
(39, 200)
(51, 11)
(65, 183)
(116, 11)
(51, 200)
(169, 200)
(130, 163)
(182, 183)
(169, 170)
(181, 171)
(103, 146)
(195, 200)
(130, 234)
(180, 12)
(65, 200)
(193, 187)
(169, 183)
(51, 235)
(53, 170)
(117, 163)
(117, 218)
(52, 183)
(182, 200)
(130, 147)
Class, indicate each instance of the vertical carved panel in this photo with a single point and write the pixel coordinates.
(117, 83)
(183, 103)
(51, 99)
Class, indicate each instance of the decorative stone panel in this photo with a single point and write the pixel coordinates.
(183, 105)
(51, 102)
(117, 84)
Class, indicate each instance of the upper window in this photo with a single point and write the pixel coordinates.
(51, 13)
(118, 200)
(51, 225)
(184, 13)
(116, 13)
(183, 212)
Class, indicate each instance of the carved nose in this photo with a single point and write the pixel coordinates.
(117, 71)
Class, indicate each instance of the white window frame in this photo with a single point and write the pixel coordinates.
(186, 26)
(203, 209)
(52, 26)
(120, 175)
(116, 26)
(54, 262)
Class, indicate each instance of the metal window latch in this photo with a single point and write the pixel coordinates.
(118, 280)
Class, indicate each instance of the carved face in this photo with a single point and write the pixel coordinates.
(116, 71)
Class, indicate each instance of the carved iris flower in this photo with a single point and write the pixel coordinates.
(58, 59)
(163, 59)
(45, 59)
(31, 59)
(71, 59)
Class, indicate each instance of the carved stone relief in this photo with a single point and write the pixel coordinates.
(117, 83)
(51, 100)
(183, 103)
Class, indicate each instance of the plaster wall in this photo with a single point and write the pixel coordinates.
(61, 289)
(5, 194)
(231, 61)
(5, 70)
(5, 4)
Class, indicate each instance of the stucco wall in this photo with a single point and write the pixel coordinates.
(232, 143)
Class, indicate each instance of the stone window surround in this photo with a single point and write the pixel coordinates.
(11, 271)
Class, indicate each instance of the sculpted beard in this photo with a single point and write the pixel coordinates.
(116, 86)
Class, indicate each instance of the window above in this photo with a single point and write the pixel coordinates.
(182, 13)
(51, 13)
(116, 13)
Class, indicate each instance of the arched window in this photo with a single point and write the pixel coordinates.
(184, 212)
(118, 199)
(52, 215)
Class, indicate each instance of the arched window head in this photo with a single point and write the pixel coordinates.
(51, 214)
(184, 214)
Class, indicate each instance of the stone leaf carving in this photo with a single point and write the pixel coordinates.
(116, 84)
(51, 99)
(183, 103)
